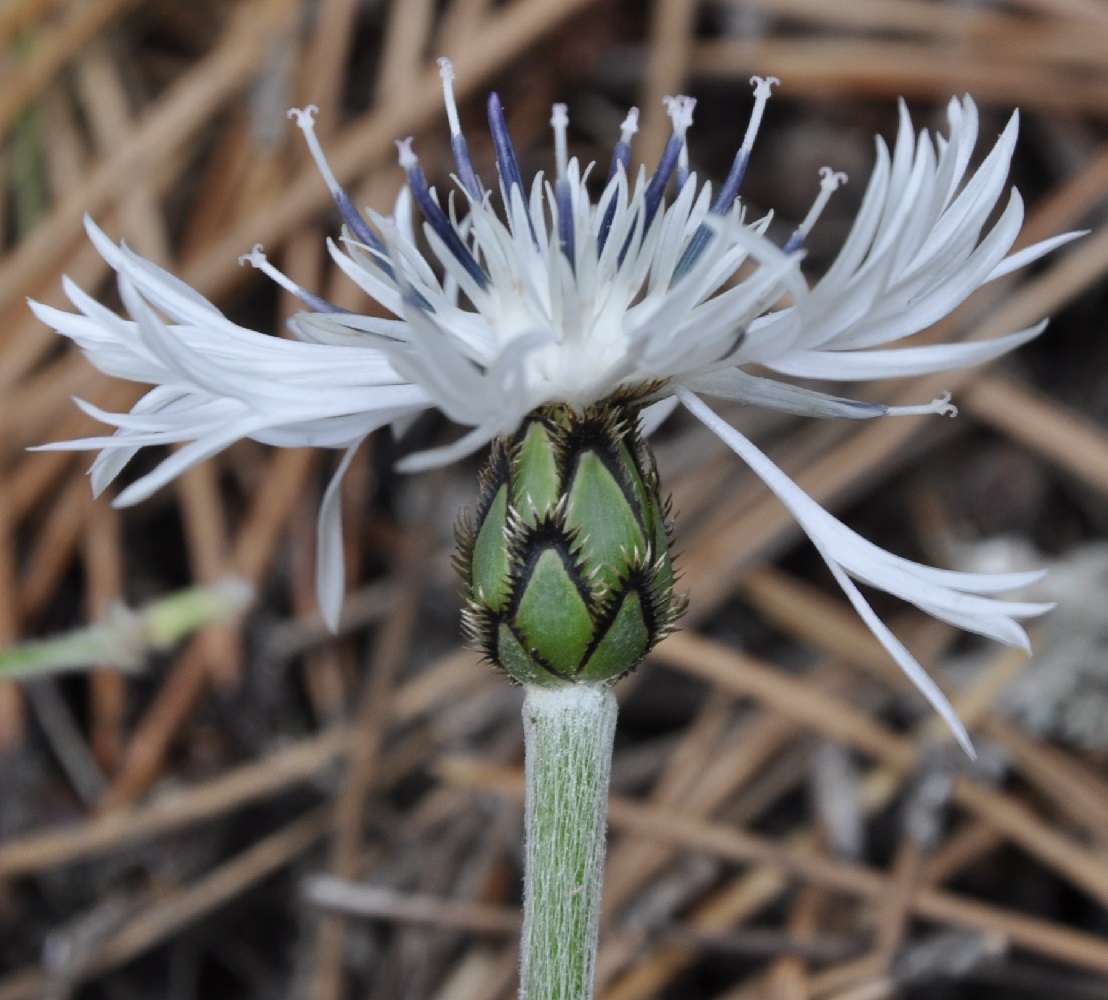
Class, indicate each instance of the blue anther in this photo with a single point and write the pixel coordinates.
(565, 220)
(305, 121)
(621, 161)
(502, 141)
(438, 221)
(318, 304)
(730, 189)
(506, 160)
(691, 254)
(466, 174)
(606, 225)
(652, 198)
(362, 233)
(258, 260)
(794, 242)
(621, 157)
(720, 206)
(358, 226)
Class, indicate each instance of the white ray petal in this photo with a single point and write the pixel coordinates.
(1028, 255)
(901, 362)
(330, 566)
(735, 384)
(903, 659)
(847, 553)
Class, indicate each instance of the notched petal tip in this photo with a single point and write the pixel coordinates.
(330, 563)
(940, 406)
(405, 154)
(831, 178)
(763, 85)
(256, 258)
(305, 117)
(680, 110)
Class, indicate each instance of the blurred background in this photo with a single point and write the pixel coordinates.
(270, 811)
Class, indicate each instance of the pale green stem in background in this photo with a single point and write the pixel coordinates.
(568, 732)
(125, 637)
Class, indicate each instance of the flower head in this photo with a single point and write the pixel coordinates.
(659, 290)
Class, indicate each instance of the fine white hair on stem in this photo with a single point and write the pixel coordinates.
(568, 734)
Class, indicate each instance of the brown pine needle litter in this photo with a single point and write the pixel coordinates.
(271, 811)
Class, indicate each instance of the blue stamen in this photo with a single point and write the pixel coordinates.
(763, 87)
(502, 141)
(358, 226)
(691, 254)
(621, 157)
(730, 189)
(683, 166)
(830, 182)
(621, 160)
(258, 260)
(720, 206)
(506, 161)
(565, 220)
(316, 303)
(606, 225)
(466, 174)
(435, 216)
(652, 198)
(563, 194)
(305, 121)
(673, 156)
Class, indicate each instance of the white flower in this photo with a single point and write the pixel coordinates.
(543, 295)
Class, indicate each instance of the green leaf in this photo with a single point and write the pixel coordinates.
(517, 662)
(625, 643)
(646, 504)
(535, 479)
(599, 510)
(490, 554)
(552, 616)
(124, 638)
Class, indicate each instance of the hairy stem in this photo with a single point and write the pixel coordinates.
(568, 733)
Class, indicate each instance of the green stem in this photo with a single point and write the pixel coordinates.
(568, 732)
(125, 638)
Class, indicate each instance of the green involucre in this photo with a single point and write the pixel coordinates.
(565, 563)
